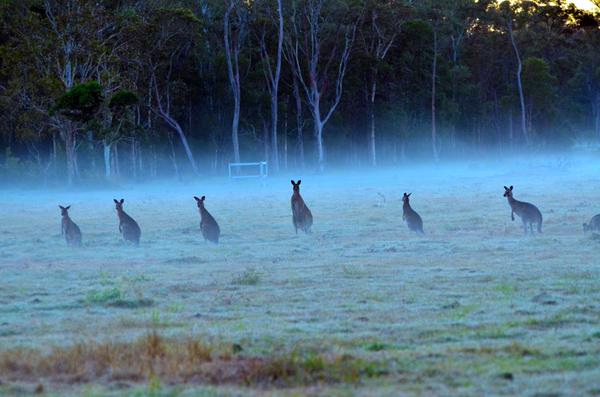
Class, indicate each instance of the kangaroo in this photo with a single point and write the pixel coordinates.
(208, 225)
(414, 221)
(593, 225)
(69, 229)
(301, 215)
(128, 227)
(528, 212)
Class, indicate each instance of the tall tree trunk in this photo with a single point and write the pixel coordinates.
(233, 72)
(184, 142)
(140, 163)
(166, 116)
(317, 82)
(154, 167)
(318, 131)
(173, 156)
(455, 44)
(70, 152)
(433, 95)
(299, 123)
(90, 139)
(186, 146)
(275, 90)
(266, 141)
(285, 139)
(510, 129)
(274, 140)
(524, 130)
(55, 153)
(234, 131)
(497, 122)
(106, 151)
(372, 144)
(133, 159)
(115, 153)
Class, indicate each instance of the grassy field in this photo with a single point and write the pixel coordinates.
(359, 307)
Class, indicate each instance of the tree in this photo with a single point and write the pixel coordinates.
(311, 57)
(120, 123)
(233, 37)
(377, 37)
(433, 12)
(273, 73)
(71, 35)
(81, 103)
(507, 9)
(159, 49)
(389, 87)
(540, 85)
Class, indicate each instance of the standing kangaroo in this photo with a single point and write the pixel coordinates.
(208, 225)
(301, 215)
(593, 225)
(127, 225)
(528, 212)
(413, 220)
(69, 229)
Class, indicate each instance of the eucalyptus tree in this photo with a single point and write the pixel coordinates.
(433, 12)
(271, 59)
(235, 32)
(379, 32)
(508, 13)
(160, 47)
(321, 37)
(64, 41)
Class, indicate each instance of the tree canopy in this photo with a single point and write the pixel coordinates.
(163, 88)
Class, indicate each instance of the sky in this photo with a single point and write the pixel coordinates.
(586, 4)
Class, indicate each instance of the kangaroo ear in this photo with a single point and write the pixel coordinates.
(505, 188)
(511, 188)
(293, 183)
(116, 201)
(196, 198)
(203, 198)
(68, 207)
(61, 207)
(299, 182)
(408, 195)
(122, 201)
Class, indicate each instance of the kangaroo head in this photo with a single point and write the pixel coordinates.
(200, 201)
(296, 185)
(64, 211)
(119, 204)
(508, 192)
(405, 197)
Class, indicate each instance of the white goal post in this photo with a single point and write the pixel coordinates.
(258, 169)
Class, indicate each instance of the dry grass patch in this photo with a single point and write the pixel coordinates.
(180, 361)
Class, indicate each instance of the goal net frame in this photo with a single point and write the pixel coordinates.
(262, 170)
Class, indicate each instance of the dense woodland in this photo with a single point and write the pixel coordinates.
(111, 90)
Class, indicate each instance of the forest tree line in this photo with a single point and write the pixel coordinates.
(134, 89)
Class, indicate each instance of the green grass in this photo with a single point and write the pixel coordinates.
(357, 307)
(115, 297)
(250, 276)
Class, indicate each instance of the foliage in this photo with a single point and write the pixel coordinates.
(122, 99)
(139, 77)
(81, 102)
